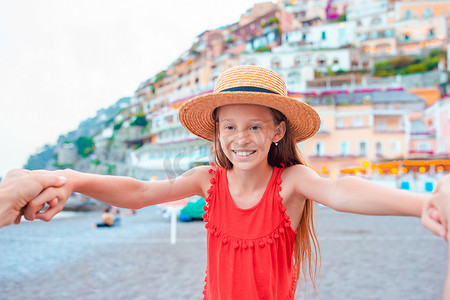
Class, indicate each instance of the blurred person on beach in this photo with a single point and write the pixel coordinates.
(107, 218)
(259, 193)
(438, 210)
(19, 187)
(117, 218)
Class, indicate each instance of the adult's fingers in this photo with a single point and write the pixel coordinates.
(18, 218)
(430, 221)
(15, 173)
(437, 211)
(48, 180)
(433, 226)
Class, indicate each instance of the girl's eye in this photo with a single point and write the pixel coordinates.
(228, 127)
(255, 127)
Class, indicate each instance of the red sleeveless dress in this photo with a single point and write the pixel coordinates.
(249, 251)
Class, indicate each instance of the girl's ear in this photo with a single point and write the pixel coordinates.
(280, 131)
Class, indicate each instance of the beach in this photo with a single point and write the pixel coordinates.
(363, 257)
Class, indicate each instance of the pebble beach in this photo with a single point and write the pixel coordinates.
(363, 257)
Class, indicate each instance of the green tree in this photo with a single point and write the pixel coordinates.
(85, 145)
(139, 121)
(402, 62)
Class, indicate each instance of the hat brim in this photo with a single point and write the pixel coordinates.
(196, 114)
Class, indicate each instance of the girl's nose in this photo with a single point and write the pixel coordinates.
(242, 137)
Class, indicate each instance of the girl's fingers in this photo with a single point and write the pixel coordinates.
(51, 211)
(35, 205)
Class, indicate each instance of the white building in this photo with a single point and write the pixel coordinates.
(67, 154)
(333, 35)
(368, 12)
(296, 64)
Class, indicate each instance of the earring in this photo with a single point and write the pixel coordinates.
(276, 143)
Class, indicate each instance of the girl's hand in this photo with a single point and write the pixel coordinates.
(55, 198)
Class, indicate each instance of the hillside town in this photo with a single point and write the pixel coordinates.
(376, 72)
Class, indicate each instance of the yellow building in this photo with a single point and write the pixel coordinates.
(363, 125)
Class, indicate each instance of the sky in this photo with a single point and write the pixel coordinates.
(61, 61)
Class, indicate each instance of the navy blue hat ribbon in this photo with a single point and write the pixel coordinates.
(249, 89)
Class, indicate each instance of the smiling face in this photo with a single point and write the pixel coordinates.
(246, 133)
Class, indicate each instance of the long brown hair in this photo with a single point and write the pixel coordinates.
(306, 248)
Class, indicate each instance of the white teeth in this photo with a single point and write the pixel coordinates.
(244, 153)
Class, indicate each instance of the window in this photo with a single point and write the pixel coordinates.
(344, 148)
(293, 78)
(339, 123)
(375, 21)
(388, 33)
(324, 35)
(417, 126)
(321, 62)
(380, 125)
(276, 63)
(407, 14)
(271, 37)
(319, 149)
(357, 122)
(378, 149)
(424, 147)
(430, 33)
(362, 148)
(297, 62)
(427, 13)
(373, 35)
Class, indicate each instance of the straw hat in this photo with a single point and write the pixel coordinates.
(248, 85)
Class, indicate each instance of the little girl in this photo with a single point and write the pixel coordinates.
(259, 194)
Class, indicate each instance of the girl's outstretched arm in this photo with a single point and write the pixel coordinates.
(120, 191)
(356, 195)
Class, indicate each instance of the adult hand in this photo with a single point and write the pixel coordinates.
(33, 210)
(19, 187)
(431, 219)
(437, 209)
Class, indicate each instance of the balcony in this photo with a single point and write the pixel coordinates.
(389, 130)
(352, 127)
(423, 134)
(323, 132)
